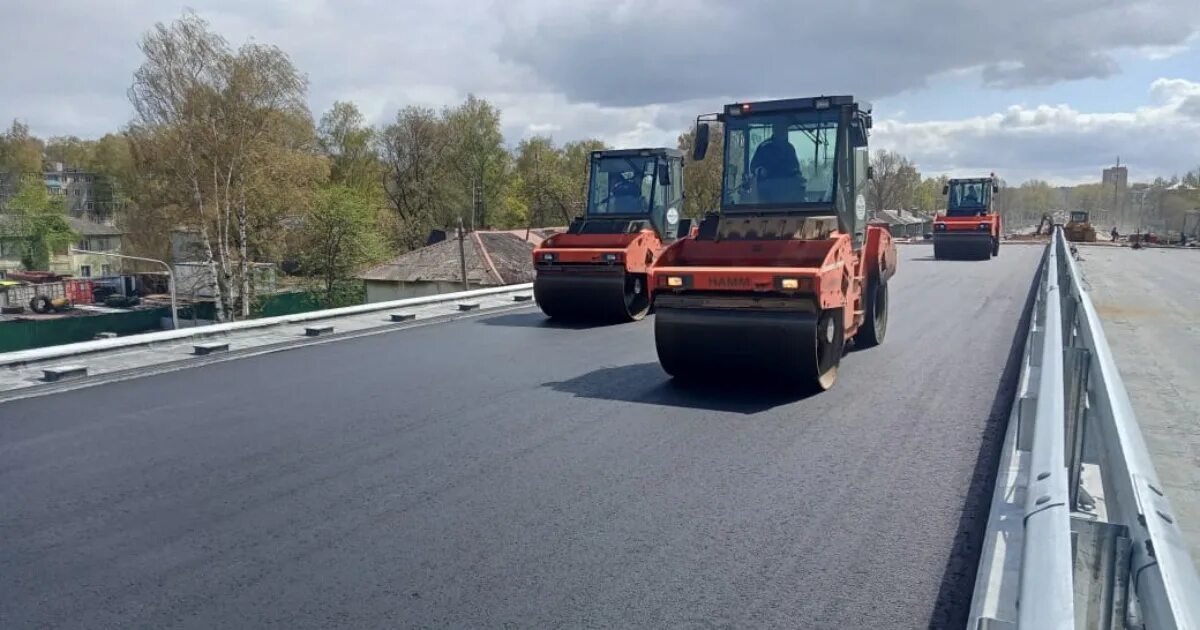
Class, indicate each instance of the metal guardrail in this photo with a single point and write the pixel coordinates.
(23, 357)
(1046, 556)
(1100, 545)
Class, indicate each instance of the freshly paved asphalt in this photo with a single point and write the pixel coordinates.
(498, 472)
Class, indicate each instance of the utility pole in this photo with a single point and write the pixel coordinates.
(462, 255)
(478, 220)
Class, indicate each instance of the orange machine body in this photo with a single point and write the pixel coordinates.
(751, 274)
(627, 252)
(969, 230)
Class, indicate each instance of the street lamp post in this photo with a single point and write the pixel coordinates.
(170, 276)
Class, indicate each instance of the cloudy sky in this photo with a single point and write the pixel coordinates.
(1054, 89)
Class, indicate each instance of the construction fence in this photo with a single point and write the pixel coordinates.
(27, 334)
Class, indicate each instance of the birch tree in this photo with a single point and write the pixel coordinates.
(208, 118)
(895, 182)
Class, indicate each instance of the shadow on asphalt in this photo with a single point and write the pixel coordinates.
(953, 605)
(932, 259)
(538, 319)
(646, 383)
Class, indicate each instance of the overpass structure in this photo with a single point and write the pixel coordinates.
(484, 468)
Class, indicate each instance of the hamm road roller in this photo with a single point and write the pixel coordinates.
(597, 269)
(970, 227)
(788, 272)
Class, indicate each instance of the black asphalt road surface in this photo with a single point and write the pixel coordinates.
(497, 472)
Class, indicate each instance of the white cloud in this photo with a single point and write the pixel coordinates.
(638, 52)
(1058, 142)
(635, 72)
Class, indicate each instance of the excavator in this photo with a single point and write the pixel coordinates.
(970, 227)
(788, 272)
(1079, 228)
(597, 269)
(1045, 226)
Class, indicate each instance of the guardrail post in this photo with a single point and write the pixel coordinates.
(1076, 362)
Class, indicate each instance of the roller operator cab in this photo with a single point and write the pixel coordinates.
(597, 270)
(970, 227)
(788, 272)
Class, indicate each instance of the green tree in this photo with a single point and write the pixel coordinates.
(71, 152)
(38, 221)
(213, 125)
(575, 165)
(545, 190)
(117, 183)
(1036, 199)
(340, 237)
(20, 151)
(1092, 198)
(477, 158)
(513, 211)
(702, 180)
(347, 141)
(895, 182)
(928, 197)
(415, 150)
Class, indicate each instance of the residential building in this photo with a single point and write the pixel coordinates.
(86, 195)
(1116, 180)
(192, 275)
(491, 259)
(1116, 176)
(95, 237)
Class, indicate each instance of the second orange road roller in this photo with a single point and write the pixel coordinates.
(788, 273)
(598, 269)
(970, 227)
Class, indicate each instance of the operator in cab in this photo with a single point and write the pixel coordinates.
(776, 168)
(627, 195)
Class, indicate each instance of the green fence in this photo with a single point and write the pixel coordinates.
(24, 335)
(288, 304)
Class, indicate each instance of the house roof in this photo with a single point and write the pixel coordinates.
(893, 217)
(492, 259)
(91, 228)
(535, 235)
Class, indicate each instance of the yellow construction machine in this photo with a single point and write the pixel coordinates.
(1079, 229)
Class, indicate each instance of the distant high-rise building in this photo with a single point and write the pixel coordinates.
(1118, 178)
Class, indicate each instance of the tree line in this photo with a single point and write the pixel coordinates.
(222, 145)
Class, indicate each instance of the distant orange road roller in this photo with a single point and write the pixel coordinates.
(969, 227)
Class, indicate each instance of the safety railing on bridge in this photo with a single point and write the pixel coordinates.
(1093, 542)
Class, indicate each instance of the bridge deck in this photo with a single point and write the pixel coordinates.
(498, 471)
(1149, 301)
